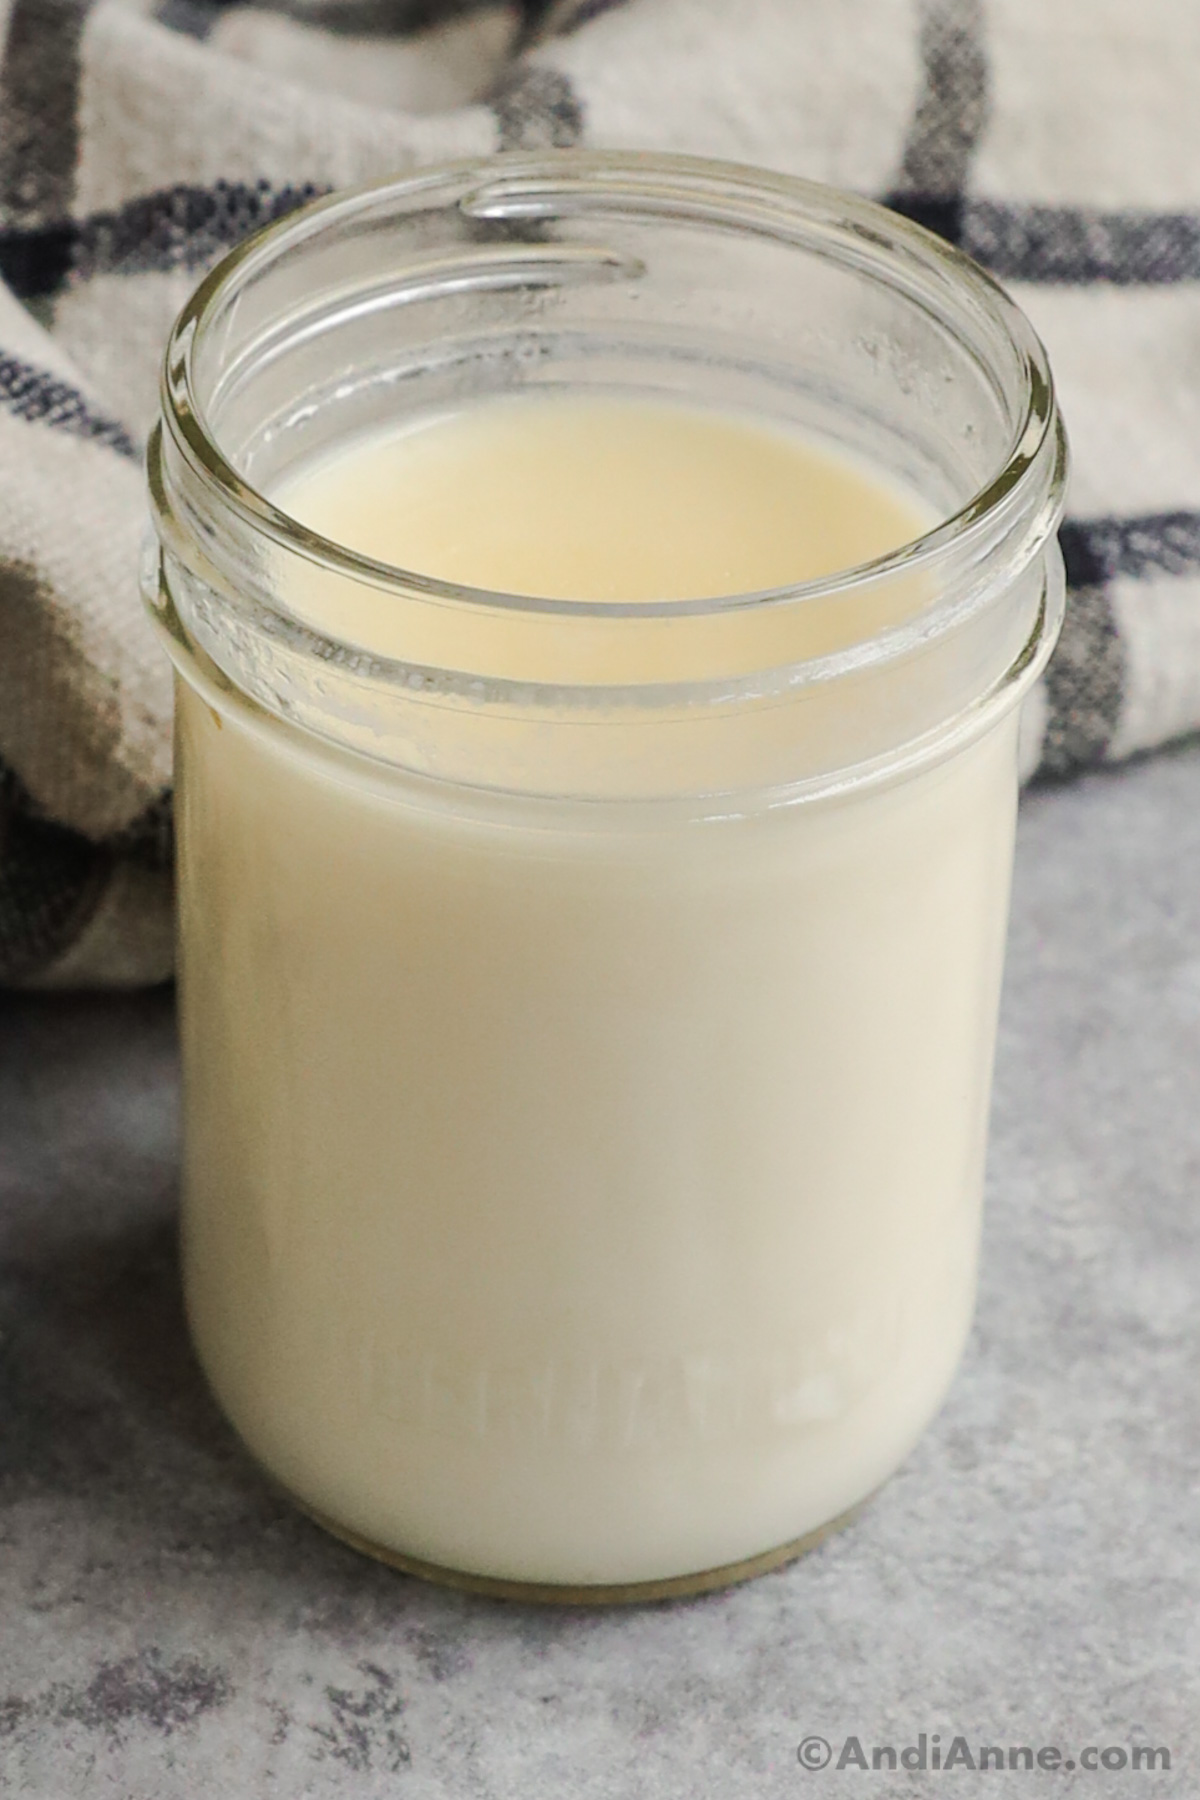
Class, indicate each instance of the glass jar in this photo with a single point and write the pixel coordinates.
(586, 1084)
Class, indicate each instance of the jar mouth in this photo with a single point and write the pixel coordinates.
(519, 190)
(715, 283)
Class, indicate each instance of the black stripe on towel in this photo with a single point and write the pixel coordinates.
(185, 227)
(41, 398)
(1086, 677)
(1076, 244)
(952, 105)
(177, 228)
(180, 227)
(1071, 246)
(341, 18)
(1085, 684)
(949, 117)
(1097, 550)
(39, 109)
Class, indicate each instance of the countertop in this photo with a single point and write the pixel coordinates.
(1031, 1577)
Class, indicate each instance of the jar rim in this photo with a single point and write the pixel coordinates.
(519, 185)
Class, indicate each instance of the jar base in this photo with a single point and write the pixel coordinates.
(553, 1593)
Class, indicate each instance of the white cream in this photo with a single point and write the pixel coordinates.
(578, 1192)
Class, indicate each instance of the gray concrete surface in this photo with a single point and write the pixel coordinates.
(1031, 1577)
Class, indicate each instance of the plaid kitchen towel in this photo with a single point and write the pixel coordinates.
(1059, 143)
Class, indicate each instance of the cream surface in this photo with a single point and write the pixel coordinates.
(578, 1193)
(598, 497)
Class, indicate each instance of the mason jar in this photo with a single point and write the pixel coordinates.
(586, 1080)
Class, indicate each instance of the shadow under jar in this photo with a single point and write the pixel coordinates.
(586, 1080)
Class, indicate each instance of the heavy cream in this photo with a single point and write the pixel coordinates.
(576, 1191)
